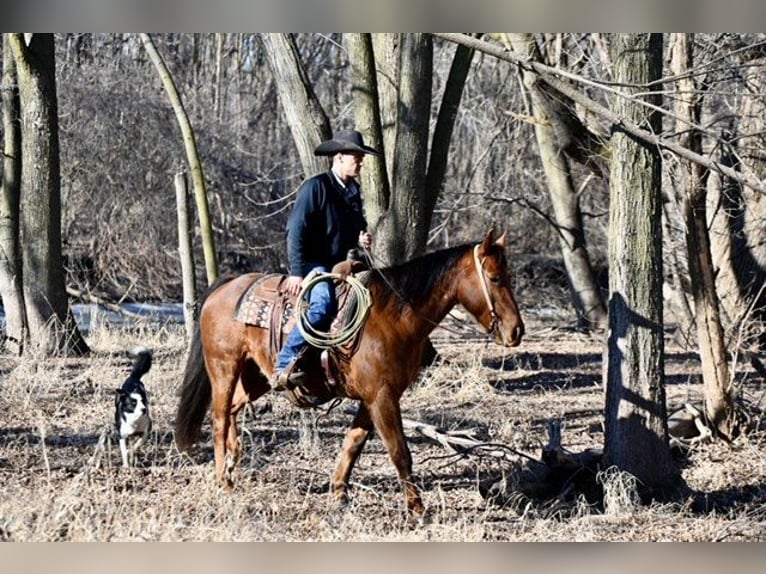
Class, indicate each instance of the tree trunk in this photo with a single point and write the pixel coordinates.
(739, 246)
(185, 253)
(52, 328)
(11, 284)
(636, 439)
(307, 119)
(445, 123)
(192, 156)
(405, 221)
(586, 294)
(692, 191)
(387, 66)
(367, 114)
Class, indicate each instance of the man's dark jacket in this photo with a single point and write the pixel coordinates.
(324, 225)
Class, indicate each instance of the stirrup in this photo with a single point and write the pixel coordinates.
(287, 380)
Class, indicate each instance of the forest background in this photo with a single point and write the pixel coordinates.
(121, 148)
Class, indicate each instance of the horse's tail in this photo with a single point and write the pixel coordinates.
(196, 391)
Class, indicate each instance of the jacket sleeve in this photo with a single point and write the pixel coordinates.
(298, 227)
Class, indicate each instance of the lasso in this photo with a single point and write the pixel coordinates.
(325, 339)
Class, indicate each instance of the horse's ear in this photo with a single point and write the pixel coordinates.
(488, 239)
(502, 241)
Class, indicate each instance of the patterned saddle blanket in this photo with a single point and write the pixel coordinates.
(265, 305)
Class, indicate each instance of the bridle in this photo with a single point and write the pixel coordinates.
(494, 317)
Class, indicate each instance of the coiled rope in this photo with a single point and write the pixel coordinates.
(326, 339)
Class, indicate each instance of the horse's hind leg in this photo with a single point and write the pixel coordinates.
(356, 437)
(223, 381)
(251, 385)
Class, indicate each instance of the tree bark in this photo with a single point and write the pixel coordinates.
(387, 66)
(402, 228)
(692, 191)
(52, 328)
(586, 294)
(636, 436)
(11, 279)
(367, 115)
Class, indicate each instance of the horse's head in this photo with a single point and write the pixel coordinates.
(487, 292)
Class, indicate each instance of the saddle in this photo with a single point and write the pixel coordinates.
(266, 306)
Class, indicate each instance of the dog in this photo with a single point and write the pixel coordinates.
(131, 407)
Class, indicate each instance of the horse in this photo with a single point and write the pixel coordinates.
(230, 363)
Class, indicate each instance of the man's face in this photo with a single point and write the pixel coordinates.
(349, 164)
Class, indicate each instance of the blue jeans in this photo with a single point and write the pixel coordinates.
(321, 311)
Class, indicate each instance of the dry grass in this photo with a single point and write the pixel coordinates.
(61, 478)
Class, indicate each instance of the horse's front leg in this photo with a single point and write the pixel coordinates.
(387, 417)
(356, 437)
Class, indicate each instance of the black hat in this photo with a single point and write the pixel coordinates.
(345, 142)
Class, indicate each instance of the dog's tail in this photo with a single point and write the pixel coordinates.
(143, 361)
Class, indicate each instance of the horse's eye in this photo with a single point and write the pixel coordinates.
(494, 278)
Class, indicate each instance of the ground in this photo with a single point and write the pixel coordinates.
(62, 481)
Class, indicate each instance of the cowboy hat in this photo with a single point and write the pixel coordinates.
(345, 142)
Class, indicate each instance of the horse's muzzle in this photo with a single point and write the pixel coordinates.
(511, 339)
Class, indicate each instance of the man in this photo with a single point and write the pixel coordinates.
(326, 222)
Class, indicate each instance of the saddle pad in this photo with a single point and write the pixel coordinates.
(257, 304)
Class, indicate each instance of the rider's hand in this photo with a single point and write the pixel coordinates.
(365, 239)
(293, 285)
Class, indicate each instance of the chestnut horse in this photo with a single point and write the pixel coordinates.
(231, 363)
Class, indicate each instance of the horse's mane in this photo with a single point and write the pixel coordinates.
(413, 282)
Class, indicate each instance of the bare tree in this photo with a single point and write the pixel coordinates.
(739, 219)
(566, 83)
(307, 119)
(400, 191)
(195, 165)
(554, 122)
(11, 285)
(692, 191)
(51, 324)
(393, 90)
(636, 439)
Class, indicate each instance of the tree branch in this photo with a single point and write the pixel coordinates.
(551, 76)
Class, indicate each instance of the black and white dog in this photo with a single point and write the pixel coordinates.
(131, 408)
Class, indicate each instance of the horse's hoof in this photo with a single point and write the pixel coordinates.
(340, 500)
(417, 519)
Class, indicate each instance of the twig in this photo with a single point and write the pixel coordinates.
(91, 298)
(461, 442)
